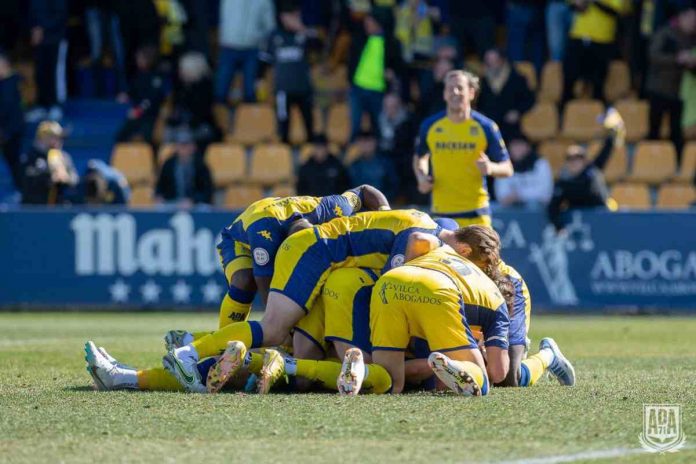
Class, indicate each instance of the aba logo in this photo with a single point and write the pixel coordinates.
(662, 430)
(261, 256)
(265, 234)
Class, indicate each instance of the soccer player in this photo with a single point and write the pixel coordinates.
(249, 246)
(372, 240)
(457, 149)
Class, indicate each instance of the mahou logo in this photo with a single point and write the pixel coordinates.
(109, 244)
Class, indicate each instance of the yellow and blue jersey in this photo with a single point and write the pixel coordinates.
(262, 227)
(482, 303)
(459, 189)
(520, 313)
(374, 240)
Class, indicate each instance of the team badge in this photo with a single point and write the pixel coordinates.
(662, 430)
(261, 256)
(397, 260)
(474, 131)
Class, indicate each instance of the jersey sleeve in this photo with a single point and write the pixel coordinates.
(496, 151)
(495, 326)
(422, 148)
(335, 206)
(264, 241)
(518, 317)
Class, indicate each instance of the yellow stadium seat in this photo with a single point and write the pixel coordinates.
(674, 196)
(635, 116)
(254, 123)
(271, 164)
(541, 122)
(338, 124)
(136, 161)
(551, 88)
(580, 120)
(142, 196)
(227, 163)
(654, 161)
(526, 68)
(687, 170)
(631, 195)
(241, 196)
(554, 151)
(165, 152)
(221, 113)
(330, 81)
(283, 190)
(617, 167)
(352, 154)
(618, 83)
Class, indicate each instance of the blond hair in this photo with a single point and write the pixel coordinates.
(470, 77)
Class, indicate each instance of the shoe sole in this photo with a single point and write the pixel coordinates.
(553, 346)
(226, 367)
(458, 381)
(348, 377)
(90, 358)
(265, 380)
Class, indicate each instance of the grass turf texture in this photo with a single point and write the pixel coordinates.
(49, 412)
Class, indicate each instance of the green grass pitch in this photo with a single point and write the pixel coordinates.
(49, 413)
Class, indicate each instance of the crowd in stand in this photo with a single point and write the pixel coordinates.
(177, 60)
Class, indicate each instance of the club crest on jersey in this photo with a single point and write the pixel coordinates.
(397, 260)
(261, 256)
(265, 234)
(474, 131)
(662, 431)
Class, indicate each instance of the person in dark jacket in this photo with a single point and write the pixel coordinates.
(581, 183)
(505, 95)
(286, 49)
(146, 95)
(323, 174)
(104, 185)
(11, 119)
(185, 179)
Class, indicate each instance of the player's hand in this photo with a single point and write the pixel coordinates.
(425, 183)
(483, 163)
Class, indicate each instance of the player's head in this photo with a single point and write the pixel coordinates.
(461, 88)
(290, 16)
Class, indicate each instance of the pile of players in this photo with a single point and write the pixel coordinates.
(365, 298)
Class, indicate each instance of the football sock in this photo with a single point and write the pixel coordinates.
(235, 306)
(197, 336)
(324, 372)
(377, 379)
(249, 333)
(157, 379)
(253, 362)
(534, 367)
(475, 372)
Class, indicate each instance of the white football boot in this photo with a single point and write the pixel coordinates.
(105, 374)
(352, 374)
(185, 370)
(560, 367)
(456, 379)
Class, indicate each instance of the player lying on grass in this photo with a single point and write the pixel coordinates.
(249, 246)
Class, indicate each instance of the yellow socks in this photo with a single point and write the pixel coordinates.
(474, 371)
(534, 367)
(232, 310)
(377, 379)
(157, 379)
(249, 333)
(324, 372)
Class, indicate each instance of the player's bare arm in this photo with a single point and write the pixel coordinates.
(420, 244)
(421, 169)
(493, 169)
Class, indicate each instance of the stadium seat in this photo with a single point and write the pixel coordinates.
(164, 153)
(635, 115)
(352, 154)
(306, 151)
(330, 81)
(283, 190)
(541, 122)
(676, 196)
(616, 168)
(136, 161)
(253, 123)
(227, 163)
(687, 170)
(654, 161)
(631, 195)
(338, 124)
(241, 196)
(142, 196)
(554, 151)
(580, 120)
(551, 88)
(618, 83)
(221, 113)
(526, 68)
(298, 134)
(271, 164)
(27, 84)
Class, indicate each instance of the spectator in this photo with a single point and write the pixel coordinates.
(103, 25)
(49, 22)
(531, 185)
(581, 183)
(505, 94)
(10, 28)
(137, 29)
(323, 174)
(193, 101)
(372, 168)
(49, 173)
(432, 101)
(559, 16)
(670, 55)
(287, 49)
(185, 178)
(473, 24)
(371, 65)
(104, 185)
(241, 35)
(11, 119)
(146, 96)
(525, 31)
(591, 45)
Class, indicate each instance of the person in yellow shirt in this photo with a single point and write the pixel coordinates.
(457, 149)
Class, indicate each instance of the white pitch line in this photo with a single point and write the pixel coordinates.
(585, 456)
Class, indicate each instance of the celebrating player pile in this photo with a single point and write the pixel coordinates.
(405, 301)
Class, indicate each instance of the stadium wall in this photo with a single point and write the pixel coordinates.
(126, 259)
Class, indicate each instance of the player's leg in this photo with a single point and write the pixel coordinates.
(462, 371)
(308, 345)
(516, 354)
(548, 358)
